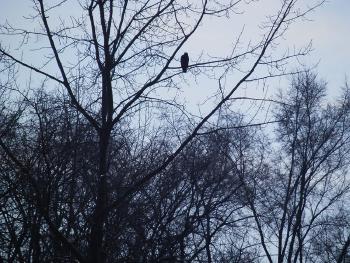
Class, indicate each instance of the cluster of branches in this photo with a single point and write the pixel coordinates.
(108, 171)
(231, 195)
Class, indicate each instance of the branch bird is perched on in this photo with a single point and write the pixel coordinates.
(184, 62)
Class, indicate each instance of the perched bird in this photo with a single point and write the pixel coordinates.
(184, 62)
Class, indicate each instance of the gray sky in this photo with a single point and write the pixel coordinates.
(328, 29)
(330, 32)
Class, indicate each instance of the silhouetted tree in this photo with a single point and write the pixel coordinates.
(86, 157)
(308, 179)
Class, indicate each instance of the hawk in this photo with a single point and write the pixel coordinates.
(184, 62)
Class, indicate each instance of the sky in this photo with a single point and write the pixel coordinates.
(330, 32)
(328, 27)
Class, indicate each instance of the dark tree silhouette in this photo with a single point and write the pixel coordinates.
(86, 166)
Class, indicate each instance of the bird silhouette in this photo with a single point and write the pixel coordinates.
(184, 62)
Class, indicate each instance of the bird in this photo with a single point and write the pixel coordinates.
(184, 62)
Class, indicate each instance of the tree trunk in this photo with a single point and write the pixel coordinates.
(96, 253)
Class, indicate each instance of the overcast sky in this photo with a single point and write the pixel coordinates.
(329, 30)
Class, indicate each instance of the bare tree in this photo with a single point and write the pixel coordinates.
(309, 174)
(112, 59)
